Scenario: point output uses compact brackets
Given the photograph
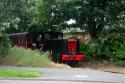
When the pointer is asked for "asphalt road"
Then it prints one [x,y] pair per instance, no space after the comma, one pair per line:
[22,81]
[70,75]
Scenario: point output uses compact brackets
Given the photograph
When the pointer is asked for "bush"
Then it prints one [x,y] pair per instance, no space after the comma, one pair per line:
[119,53]
[86,50]
[4,46]
[26,57]
[111,47]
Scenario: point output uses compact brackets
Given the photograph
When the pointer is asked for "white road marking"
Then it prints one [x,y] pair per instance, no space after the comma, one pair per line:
[80,76]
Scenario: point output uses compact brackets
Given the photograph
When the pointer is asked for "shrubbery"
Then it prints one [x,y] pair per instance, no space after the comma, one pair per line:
[111,47]
[86,50]
[26,57]
[4,46]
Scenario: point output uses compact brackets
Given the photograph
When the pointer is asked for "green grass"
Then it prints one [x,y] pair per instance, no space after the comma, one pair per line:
[12,73]
[26,57]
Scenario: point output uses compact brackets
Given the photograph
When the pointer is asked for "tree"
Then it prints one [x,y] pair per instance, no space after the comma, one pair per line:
[52,15]
[95,15]
[91,15]
[16,15]
[49,15]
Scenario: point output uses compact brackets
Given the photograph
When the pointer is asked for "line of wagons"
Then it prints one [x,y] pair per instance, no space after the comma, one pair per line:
[62,50]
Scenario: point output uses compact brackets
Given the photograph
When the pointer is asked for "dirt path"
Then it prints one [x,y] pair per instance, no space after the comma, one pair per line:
[106,68]
[113,69]
[57,65]
[94,66]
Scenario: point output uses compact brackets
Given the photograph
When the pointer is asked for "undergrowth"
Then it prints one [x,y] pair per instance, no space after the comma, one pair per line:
[26,57]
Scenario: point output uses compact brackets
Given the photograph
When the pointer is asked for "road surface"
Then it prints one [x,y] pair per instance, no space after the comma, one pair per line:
[69,75]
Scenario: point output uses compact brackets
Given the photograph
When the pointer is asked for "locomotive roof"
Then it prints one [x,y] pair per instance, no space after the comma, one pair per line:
[25,33]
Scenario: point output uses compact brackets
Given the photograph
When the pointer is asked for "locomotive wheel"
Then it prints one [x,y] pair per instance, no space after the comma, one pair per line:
[56,59]
[72,63]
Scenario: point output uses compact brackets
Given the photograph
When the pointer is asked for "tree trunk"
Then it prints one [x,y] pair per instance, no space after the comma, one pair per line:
[93,29]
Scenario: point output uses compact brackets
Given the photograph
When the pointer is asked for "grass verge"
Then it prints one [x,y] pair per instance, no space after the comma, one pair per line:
[12,73]
[26,57]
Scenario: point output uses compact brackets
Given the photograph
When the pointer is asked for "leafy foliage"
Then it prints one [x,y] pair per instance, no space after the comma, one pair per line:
[4,46]
[90,15]
[52,15]
[111,47]
[119,53]
[16,15]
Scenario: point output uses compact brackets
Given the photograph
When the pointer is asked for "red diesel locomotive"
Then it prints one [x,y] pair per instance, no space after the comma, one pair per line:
[61,49]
